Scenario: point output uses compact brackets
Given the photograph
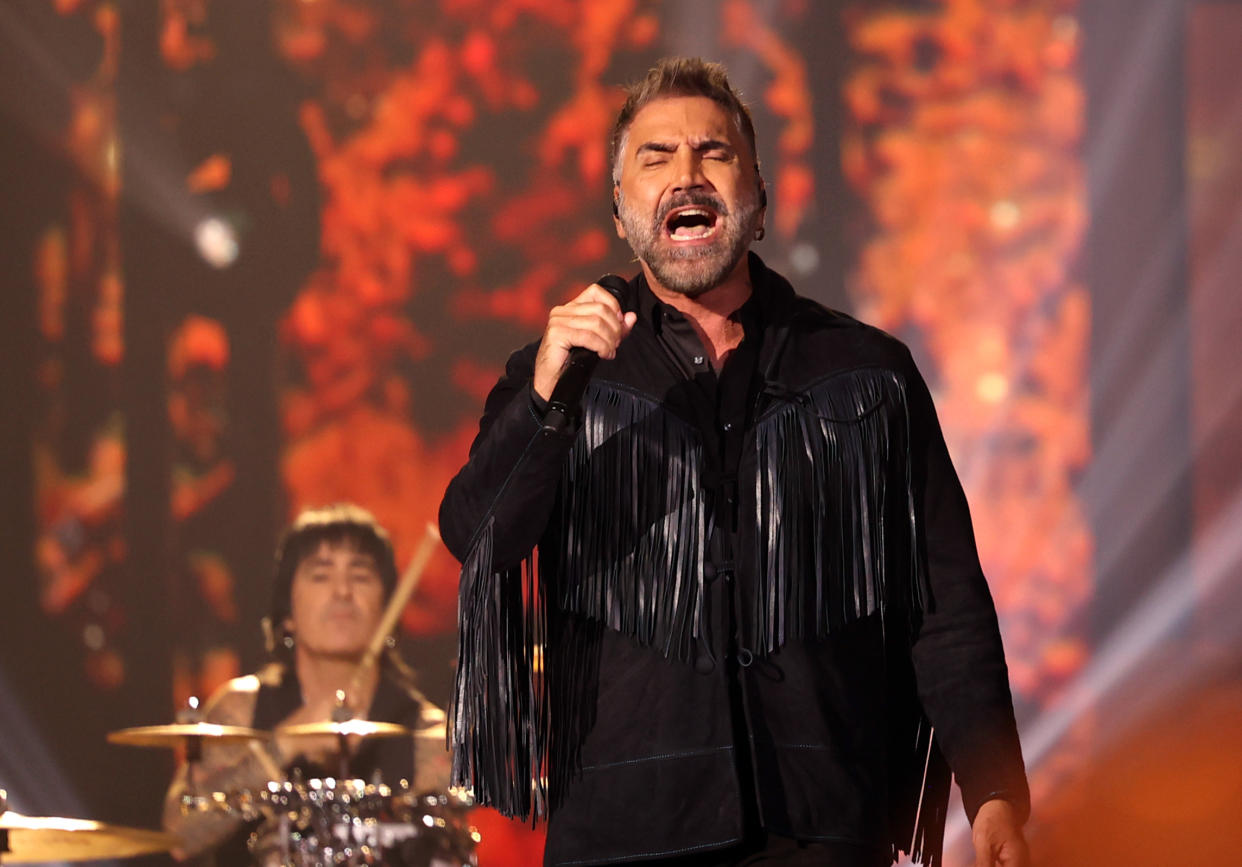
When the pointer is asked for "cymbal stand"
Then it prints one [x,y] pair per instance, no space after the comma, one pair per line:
[341,713]
[193,744]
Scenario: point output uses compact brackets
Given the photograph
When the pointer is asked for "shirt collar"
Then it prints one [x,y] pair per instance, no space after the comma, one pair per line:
[752,313]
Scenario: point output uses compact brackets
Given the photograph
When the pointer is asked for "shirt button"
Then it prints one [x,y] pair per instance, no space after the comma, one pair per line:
[745,658]
[703,664]
[698,359]
[728,425]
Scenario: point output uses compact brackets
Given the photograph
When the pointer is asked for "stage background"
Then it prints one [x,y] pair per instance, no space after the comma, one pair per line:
[263,255]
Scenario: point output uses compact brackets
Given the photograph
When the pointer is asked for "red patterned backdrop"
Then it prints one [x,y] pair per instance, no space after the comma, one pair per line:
[456,188]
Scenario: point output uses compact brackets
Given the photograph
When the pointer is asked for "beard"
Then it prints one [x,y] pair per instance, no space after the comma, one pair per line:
[694,269]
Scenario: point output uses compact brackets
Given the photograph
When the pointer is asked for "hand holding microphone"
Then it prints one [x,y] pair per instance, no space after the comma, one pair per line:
[579,334]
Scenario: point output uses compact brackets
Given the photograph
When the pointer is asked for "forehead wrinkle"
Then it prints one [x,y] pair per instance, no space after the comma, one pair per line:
[697,143]
[732,128]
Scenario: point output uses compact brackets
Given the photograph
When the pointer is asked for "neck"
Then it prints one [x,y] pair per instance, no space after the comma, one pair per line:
[709,312]
[321,676]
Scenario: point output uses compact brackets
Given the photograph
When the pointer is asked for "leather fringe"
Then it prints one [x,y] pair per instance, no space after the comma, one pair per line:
[498,716]
[837,530]
[635,522]
[632,512]
[925,827]
[836,538]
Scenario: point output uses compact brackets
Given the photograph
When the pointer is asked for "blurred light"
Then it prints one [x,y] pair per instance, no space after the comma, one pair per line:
[804,259]
[93,636]
[216,240]
[36,783]
[1121,683]
[1005,215]
[1065,27]
[992,387]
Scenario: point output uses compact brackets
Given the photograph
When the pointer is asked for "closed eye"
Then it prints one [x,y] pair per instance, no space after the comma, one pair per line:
[714,149]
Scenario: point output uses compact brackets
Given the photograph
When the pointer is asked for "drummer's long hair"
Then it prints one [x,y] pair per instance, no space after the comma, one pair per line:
[336,524]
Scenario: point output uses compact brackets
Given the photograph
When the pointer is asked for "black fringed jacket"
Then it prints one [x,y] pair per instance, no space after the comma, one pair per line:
[598,611]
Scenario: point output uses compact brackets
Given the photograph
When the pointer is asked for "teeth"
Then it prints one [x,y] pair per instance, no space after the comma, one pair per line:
[688,232]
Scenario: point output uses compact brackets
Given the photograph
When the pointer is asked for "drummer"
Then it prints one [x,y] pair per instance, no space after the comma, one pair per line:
[334,573]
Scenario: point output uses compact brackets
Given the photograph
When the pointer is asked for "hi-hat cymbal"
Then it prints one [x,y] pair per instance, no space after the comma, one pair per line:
[175,734]
[354,727]
[35,838]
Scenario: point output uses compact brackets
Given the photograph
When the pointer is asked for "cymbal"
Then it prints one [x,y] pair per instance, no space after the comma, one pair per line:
[33,838]
[175,734]
[353,727]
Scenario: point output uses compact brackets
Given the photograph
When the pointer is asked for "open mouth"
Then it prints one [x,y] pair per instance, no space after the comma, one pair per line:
[693,223]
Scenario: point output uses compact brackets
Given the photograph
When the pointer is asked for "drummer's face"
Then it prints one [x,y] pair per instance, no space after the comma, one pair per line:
[336,602]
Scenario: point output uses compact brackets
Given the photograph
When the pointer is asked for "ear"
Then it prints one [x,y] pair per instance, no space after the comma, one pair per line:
[616,211]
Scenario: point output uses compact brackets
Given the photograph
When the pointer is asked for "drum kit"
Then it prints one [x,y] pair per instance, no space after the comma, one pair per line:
[298,822]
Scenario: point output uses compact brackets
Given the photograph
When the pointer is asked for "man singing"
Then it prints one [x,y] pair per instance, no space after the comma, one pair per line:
[334,573]
[709,612]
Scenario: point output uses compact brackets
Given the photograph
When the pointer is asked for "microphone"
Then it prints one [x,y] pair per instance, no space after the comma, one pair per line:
[568,391]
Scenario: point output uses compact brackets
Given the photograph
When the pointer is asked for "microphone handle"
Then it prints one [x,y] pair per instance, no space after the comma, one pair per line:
[568,391]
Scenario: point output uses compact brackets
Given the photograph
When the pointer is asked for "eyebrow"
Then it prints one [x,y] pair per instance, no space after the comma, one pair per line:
[671,147]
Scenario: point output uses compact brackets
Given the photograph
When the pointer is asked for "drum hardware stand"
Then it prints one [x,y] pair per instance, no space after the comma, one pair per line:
[4,832]
[193,743]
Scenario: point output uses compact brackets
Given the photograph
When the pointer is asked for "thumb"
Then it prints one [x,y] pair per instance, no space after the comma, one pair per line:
[627,323]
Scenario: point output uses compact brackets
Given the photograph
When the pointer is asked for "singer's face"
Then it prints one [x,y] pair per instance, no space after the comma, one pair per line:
[688,193]
[336,602]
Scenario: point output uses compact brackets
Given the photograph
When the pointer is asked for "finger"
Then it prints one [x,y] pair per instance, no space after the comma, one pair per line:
[605,346]
[587,310]
[611,316]
[560,329]
[599,294]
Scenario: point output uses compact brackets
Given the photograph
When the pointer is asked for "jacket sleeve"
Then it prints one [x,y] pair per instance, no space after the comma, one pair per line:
[493,514]
[509,482]
[959,661]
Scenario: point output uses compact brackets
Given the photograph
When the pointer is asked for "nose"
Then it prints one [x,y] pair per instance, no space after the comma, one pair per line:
[342,587]
[688,170]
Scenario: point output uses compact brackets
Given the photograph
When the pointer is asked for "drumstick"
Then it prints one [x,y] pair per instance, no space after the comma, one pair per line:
[409,580]
[273,771]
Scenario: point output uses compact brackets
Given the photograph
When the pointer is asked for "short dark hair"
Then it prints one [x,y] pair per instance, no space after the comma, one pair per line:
[337,524]
[680,76]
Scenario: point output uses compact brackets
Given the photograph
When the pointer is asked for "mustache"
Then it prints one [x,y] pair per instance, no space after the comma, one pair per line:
[694,197]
